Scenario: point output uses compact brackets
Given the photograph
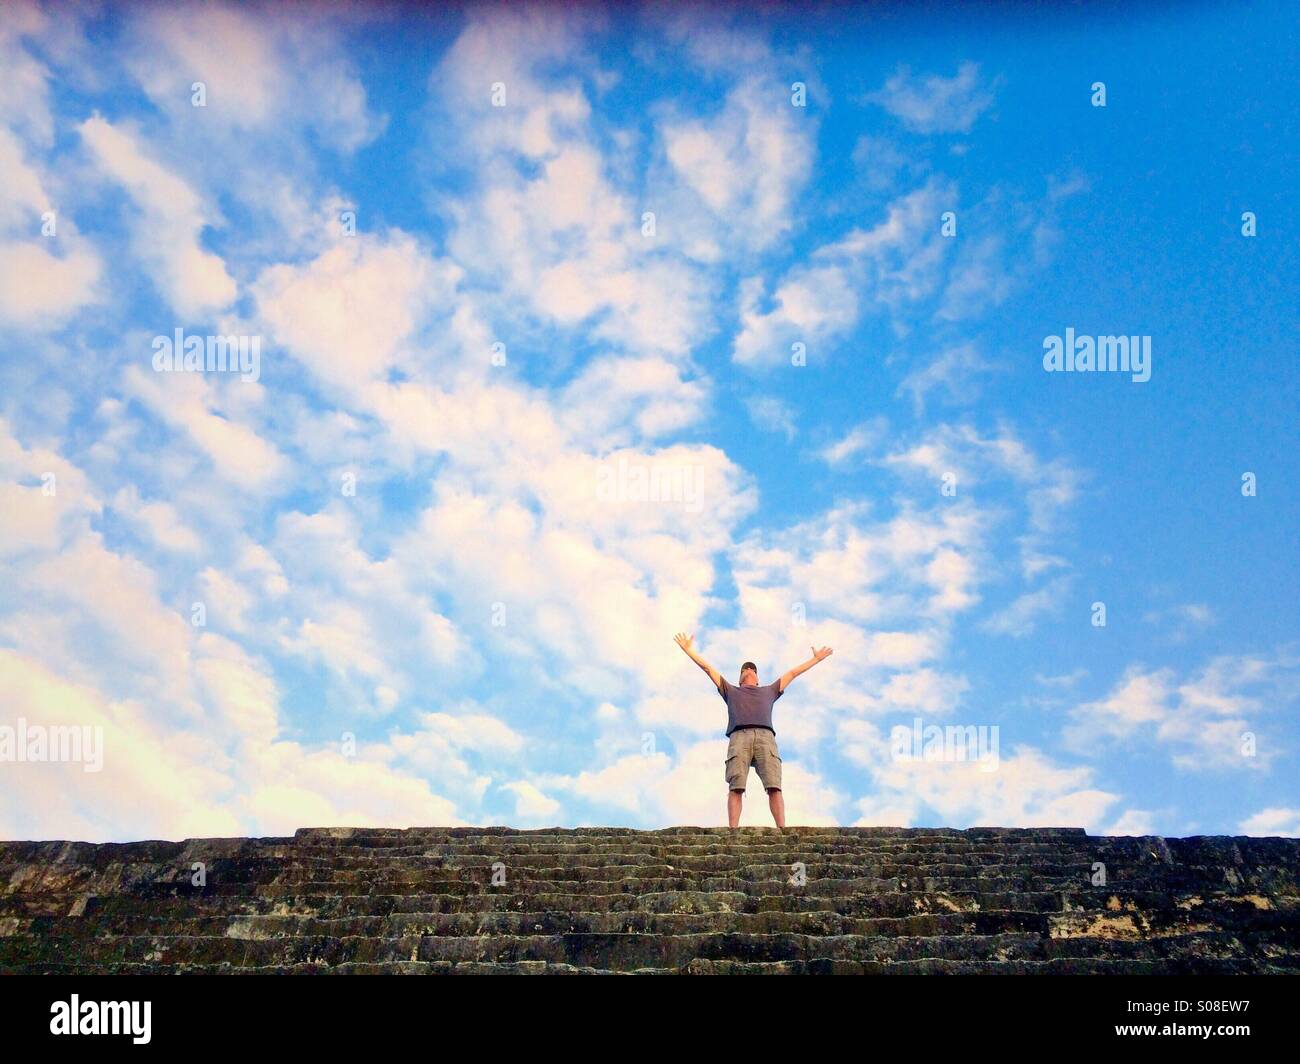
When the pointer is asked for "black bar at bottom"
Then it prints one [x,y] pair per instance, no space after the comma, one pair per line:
[581,1014]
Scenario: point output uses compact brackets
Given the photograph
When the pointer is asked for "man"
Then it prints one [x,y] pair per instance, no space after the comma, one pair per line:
[749,728]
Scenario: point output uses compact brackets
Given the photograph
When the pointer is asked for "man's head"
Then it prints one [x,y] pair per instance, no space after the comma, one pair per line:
[749,675]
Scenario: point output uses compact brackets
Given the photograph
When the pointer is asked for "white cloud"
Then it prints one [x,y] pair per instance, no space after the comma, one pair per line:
[772,415]
[859,439]
[39,290]
[547,222]
[192,406]
[981,278]
[1139,698]
[159,519]
[23,198]
[37,519]
[1068,679]
[923,691]
[810,305]
[1179,622]
[953,372]
[530,803]
[192,279]
[897,262]
[145,780]
[619,400]
[1046,488]
[1132,822]
[226,601]
[260,70]
[881,162]
[1019,617]
[746,164]
[935,104]
[474,731]
[368,621]
[1275,820]
[24,90]
[1202,722]
[350,314]
[191,722]
[1027,789]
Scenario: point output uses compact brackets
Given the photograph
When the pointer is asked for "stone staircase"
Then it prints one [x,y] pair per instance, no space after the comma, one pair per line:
[680,900]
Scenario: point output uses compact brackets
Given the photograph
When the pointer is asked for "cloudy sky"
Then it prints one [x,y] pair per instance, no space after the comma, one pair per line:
[576,330]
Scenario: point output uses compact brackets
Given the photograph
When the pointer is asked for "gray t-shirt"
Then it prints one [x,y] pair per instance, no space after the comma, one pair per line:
[749,707]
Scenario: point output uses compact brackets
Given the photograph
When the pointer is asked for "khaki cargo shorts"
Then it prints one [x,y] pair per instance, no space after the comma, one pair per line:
[757,747]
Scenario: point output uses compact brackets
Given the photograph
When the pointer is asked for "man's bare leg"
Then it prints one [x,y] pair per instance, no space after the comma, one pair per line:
[776,802]
[734,798]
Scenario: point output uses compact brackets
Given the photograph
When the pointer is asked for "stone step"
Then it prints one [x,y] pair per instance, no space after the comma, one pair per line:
[44,876]
[401,873]
[677,842]
[783,854]
[19,862]
[661,854]
[126,863]
[1216,849]
[893,903]
[1055,966]
[675,901]
[521,891]
[624,952]
[854,896]
[65,852]
[716,833]
[1237,915]
[819,922]
[403,878]
[845,897]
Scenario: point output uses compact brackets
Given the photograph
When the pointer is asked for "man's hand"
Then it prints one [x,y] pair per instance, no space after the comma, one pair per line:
[686,643]
[799,670]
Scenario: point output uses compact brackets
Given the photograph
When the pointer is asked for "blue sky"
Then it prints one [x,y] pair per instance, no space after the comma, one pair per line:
[394,536]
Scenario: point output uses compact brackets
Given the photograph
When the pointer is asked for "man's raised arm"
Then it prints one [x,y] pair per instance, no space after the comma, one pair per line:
[684,641]
[817,655]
